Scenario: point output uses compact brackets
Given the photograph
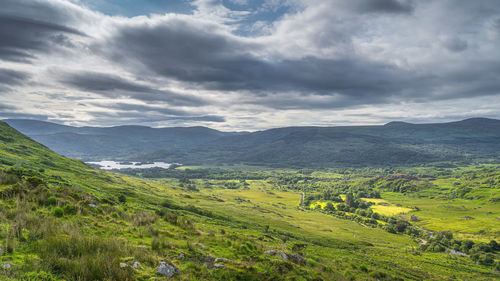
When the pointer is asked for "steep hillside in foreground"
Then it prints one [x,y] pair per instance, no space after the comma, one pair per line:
[60,219]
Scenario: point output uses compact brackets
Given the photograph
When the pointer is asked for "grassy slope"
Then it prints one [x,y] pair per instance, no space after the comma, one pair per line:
[228,226]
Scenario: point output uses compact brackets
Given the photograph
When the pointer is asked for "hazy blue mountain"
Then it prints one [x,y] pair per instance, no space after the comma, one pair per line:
[111,142]
[397,143]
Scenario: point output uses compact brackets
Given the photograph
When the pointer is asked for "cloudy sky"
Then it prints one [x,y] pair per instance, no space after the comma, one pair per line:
[249,64]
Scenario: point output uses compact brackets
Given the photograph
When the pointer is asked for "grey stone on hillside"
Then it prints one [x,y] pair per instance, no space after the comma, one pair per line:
[218,265]
[6,265]
[456,253]
[94,206]
[282,255]
[222,260]
[296,258]
[167,269]
[270,252]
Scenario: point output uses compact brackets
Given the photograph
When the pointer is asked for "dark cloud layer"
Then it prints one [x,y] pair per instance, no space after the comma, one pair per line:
[217,63]
[22,38]
[114,86]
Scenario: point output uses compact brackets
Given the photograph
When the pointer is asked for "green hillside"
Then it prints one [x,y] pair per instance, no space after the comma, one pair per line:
[63,220]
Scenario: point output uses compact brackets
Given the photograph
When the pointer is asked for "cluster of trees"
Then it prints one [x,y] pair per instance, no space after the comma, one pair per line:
[480,252]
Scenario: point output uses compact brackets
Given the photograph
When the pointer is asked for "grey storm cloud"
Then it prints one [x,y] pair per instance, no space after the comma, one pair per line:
[142,111]
[22,38]
[382,6]
[455,44]
[114,86]
[12,77]
[215,62]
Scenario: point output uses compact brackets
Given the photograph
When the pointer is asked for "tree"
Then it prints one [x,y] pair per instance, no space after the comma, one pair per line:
[349,200]
[329,207]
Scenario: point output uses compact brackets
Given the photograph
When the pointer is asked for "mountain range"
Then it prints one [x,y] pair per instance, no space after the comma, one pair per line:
[395,143]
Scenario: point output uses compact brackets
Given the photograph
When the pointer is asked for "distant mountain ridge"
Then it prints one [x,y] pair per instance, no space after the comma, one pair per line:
[95,143]
[395,143]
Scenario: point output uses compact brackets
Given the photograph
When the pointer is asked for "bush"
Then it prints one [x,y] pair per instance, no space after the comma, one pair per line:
[58,212]
[122,198]
[51,201]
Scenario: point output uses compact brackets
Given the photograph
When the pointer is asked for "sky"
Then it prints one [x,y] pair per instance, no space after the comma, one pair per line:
[249,65]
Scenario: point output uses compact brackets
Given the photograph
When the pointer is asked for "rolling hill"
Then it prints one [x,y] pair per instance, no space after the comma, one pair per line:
[396,143]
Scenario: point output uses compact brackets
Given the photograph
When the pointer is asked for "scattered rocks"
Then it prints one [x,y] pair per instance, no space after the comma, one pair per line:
[94,206]
[6,265]
[167,269]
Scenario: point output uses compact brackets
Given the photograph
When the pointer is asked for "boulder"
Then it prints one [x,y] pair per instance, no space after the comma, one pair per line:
[167,269]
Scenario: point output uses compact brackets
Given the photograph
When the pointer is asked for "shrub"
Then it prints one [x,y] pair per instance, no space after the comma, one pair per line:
[58,212]
[122,198]
[51,201]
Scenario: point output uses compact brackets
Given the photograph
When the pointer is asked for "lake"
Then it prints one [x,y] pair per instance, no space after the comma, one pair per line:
[110,165]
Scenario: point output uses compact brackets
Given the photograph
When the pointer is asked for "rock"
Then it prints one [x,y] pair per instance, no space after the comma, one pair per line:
[270,252]
[136,265]
[296,258]
[122,265]
[414,218]
[209,259]
[6,265]
[167,269]
[201,245]
[282,255]
[456,253]
[181,256]
[94,206]
[218,265]
[142,246]
[222,260]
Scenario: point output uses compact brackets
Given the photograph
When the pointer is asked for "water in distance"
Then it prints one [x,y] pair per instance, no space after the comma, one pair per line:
[110,165]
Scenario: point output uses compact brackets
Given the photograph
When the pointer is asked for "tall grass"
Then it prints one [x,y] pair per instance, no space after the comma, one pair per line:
[85,258]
